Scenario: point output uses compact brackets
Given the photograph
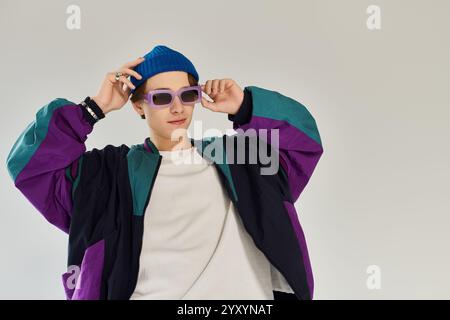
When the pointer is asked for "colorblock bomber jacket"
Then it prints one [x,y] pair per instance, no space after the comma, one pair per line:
[98,197]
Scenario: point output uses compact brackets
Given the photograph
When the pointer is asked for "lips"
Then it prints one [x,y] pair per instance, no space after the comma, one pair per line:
[177,122]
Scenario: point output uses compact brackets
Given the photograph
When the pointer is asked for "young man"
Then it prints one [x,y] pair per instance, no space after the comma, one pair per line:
[174,217]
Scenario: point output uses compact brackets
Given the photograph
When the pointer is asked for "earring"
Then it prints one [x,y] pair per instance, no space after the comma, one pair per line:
[142,116]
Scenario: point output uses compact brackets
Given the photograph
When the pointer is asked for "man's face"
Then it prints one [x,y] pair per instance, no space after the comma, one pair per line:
[158,119]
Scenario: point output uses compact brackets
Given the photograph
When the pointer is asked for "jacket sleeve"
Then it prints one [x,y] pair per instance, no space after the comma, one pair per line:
[45,158]
[299,144]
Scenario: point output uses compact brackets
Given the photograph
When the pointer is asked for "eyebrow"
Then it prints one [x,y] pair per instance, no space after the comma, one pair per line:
[170,89]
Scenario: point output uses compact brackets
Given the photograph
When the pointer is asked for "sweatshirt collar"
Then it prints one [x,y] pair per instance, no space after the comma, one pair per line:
[151,147]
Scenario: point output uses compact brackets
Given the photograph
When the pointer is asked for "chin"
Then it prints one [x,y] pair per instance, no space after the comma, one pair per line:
[179,130]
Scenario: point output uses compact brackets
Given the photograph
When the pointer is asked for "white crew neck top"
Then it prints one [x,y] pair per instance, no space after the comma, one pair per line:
[194,243]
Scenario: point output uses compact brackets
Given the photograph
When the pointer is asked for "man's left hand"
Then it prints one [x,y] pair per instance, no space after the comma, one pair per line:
[226,94]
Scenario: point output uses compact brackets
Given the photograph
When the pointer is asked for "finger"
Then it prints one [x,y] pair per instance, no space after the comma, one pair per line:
[228,83]
[131,73]
[208,87]
[126,91]
[112,77]
[134,62]
[215,86]
[128,82]
[208,104]
[123,89]
[124,85]
[222,85]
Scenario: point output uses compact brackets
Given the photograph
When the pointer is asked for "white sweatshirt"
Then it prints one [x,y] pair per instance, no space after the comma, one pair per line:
[194,243]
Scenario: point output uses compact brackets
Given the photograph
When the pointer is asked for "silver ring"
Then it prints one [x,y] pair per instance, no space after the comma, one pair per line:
[118,74]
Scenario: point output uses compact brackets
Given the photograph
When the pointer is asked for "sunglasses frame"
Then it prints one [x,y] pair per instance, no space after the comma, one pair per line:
[148,97]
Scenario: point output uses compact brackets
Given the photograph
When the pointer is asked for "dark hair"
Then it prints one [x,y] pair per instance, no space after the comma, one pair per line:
[139,92]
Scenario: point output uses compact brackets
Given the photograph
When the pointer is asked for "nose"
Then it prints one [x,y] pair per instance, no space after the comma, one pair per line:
[177,105]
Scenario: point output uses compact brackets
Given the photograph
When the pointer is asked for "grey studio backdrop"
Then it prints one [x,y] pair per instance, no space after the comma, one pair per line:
[377,204]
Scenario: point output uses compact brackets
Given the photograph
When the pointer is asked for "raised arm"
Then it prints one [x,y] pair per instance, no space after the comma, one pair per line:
[300,146]
[46,159]
[43,161]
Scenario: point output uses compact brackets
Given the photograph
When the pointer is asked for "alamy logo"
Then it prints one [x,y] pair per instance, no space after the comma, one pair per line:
[374,20]
[249,146]
[374,280]
[72,280]
[73,21]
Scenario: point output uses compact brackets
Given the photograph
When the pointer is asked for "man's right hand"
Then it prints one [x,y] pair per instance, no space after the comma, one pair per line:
[114,94]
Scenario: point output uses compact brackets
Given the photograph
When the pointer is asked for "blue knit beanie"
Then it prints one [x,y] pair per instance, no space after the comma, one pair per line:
[162,59]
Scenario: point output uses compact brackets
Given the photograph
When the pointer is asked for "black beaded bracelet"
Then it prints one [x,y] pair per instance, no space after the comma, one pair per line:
[93,108]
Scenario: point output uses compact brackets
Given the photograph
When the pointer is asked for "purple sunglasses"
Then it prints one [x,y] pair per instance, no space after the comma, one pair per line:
[162,98]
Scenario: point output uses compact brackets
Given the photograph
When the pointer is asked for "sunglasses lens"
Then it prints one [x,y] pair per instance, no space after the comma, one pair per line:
[163,98]
[189,96]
